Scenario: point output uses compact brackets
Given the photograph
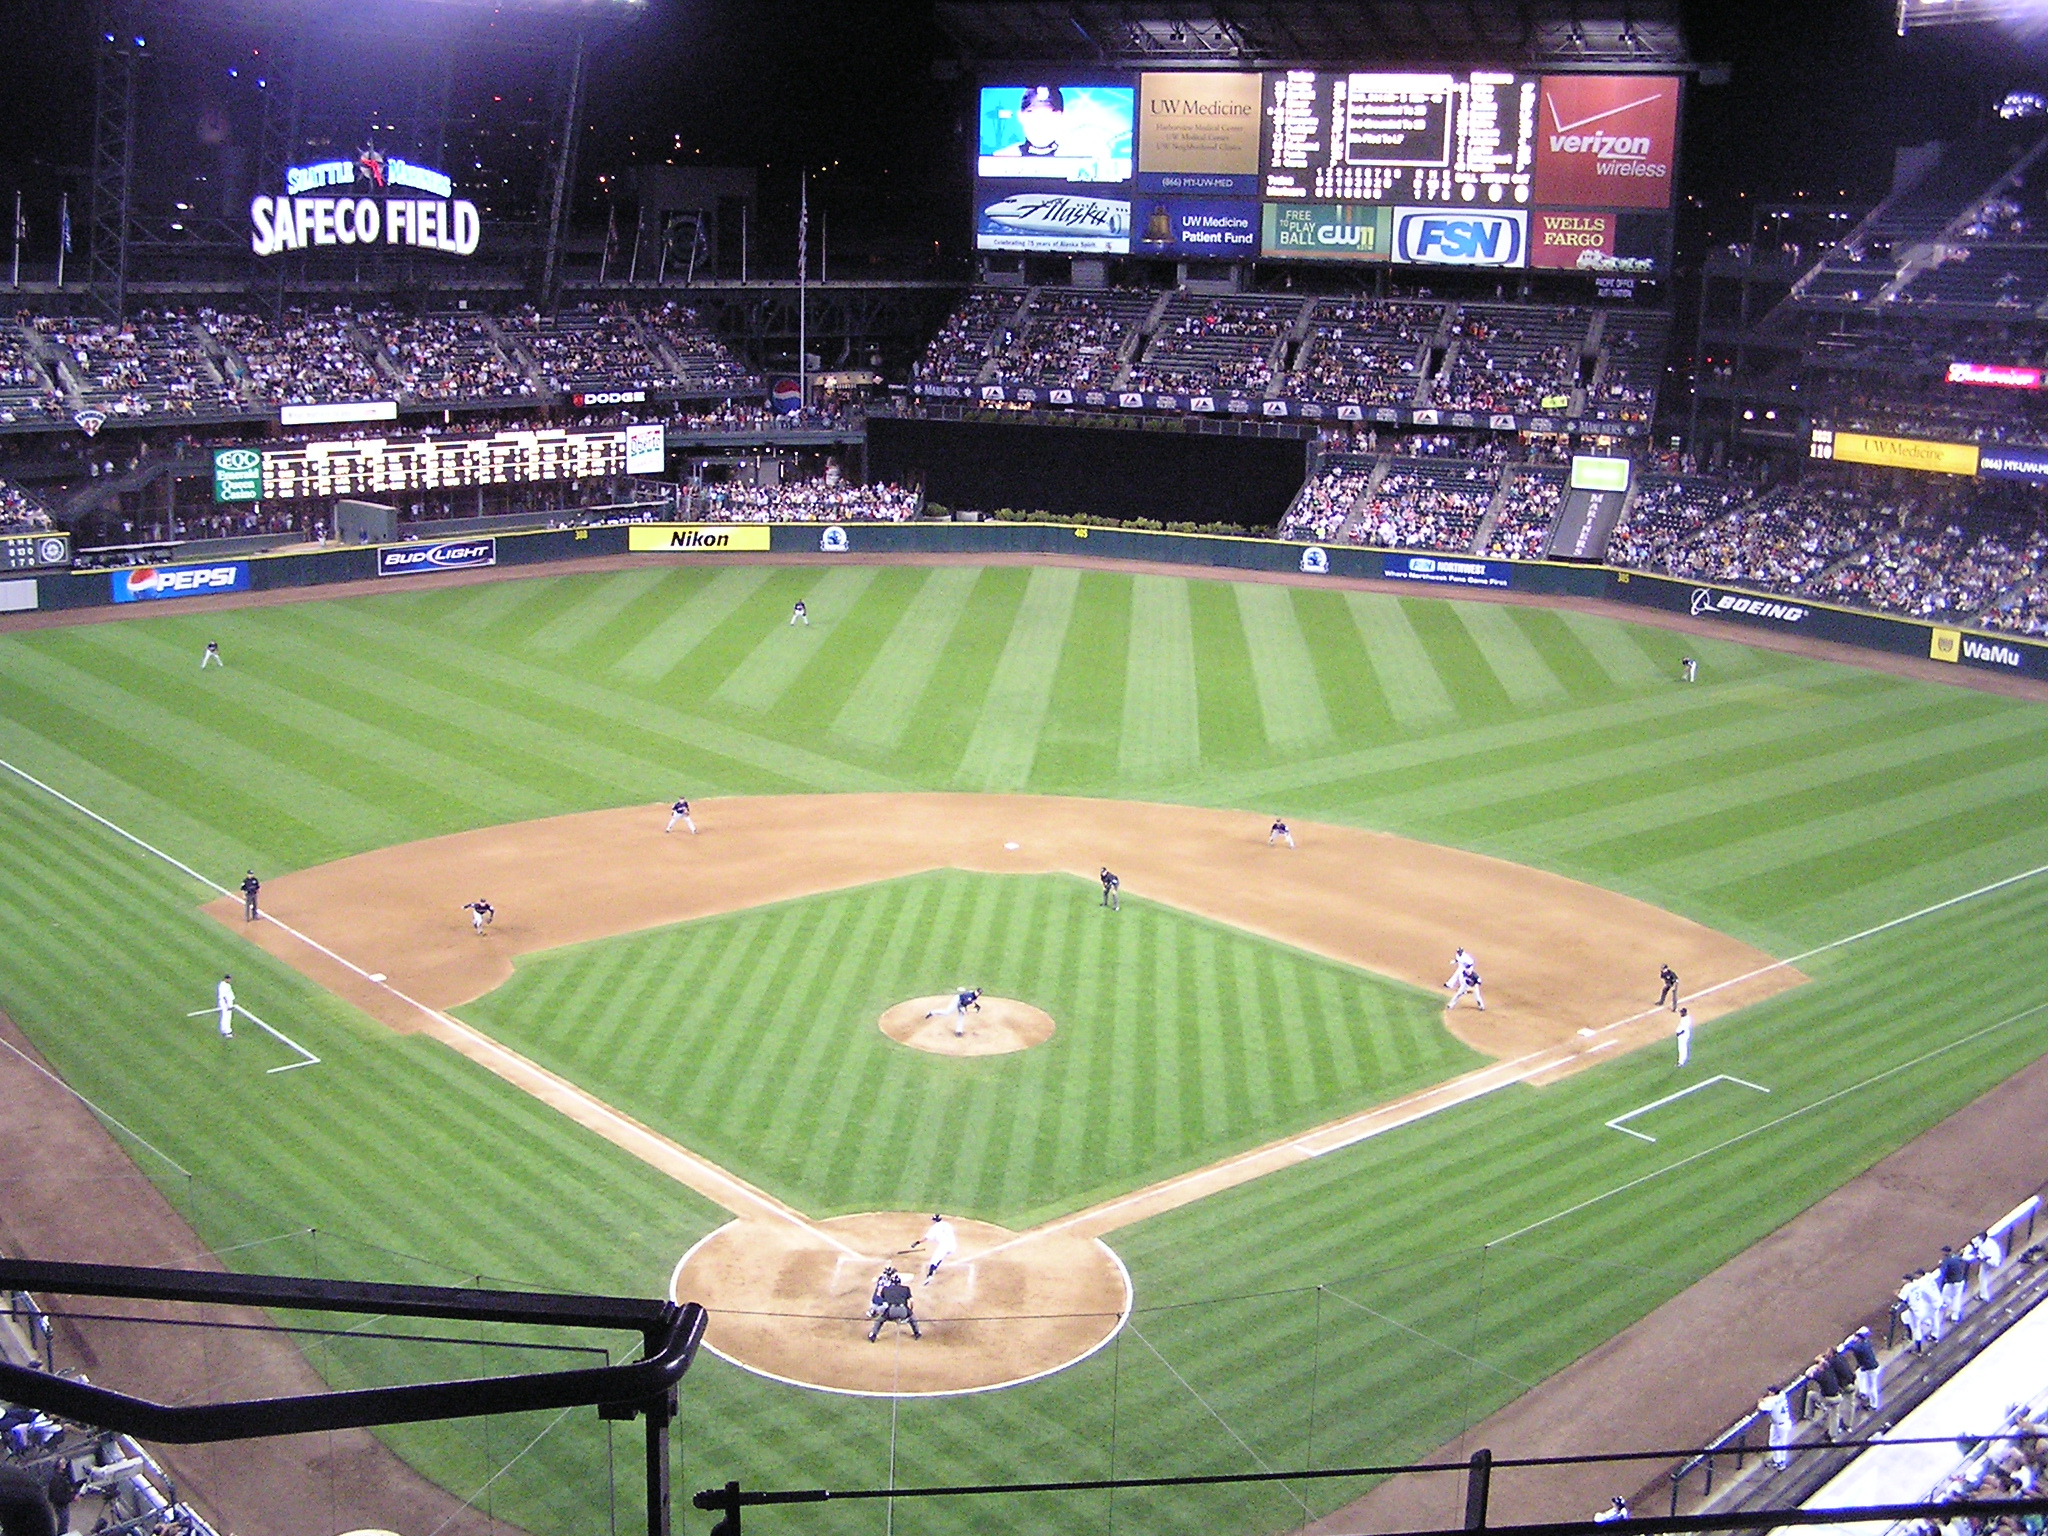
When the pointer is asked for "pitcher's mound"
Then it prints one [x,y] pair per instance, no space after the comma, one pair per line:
[790,1302]
[1000,1026]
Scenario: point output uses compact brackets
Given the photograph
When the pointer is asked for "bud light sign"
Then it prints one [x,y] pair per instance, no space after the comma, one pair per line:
[147,583]
[416,559]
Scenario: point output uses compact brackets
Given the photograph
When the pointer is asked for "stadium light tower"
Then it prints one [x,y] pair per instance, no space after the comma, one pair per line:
[2029,16]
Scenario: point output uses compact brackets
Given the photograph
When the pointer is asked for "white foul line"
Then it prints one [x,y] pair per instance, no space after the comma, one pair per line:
[500,1061]
[1618,1123]
[308,1058]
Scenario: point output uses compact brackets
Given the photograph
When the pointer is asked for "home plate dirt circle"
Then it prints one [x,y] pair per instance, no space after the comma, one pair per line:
[1000,1026]
[789,1301]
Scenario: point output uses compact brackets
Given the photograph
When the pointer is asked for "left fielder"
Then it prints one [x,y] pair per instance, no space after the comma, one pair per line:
[963,999]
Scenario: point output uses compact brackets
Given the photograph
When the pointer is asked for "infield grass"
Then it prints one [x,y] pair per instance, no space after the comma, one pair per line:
[1787,801]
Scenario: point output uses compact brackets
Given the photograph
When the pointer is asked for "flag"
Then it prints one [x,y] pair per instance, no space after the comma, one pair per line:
[64,222]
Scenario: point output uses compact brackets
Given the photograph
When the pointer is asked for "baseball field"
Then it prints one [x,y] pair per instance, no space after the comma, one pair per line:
[1253,1202]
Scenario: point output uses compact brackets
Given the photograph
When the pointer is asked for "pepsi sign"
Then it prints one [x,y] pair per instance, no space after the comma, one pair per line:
[1446,237]
[150,583]
[416,559]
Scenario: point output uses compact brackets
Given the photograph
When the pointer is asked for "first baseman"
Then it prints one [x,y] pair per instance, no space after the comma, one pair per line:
[224,998]
[480,914]
[939,1241]
[963,999]
[1684,1036]
[680,811]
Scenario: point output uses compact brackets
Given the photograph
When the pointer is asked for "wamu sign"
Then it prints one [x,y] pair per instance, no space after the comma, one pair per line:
[364,212]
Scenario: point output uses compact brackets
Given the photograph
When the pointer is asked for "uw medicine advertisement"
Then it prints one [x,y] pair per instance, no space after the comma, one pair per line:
[1434,167]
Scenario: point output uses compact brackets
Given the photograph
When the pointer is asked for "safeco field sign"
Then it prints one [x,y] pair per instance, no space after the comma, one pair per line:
[741,538]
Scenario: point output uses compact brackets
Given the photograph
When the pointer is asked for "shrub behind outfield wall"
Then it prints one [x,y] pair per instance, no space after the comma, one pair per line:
[1429,574]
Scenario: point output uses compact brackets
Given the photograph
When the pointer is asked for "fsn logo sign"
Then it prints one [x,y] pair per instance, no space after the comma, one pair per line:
[1443,237]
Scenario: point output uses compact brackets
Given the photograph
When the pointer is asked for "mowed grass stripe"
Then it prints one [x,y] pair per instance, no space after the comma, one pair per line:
[488,604]
[568,697]
[1408,680]
[758,683]
[1618,650]
[307,704]
[1004,743]
[880,707]
[1524,676]
[598,600]
[717,596]
[1290,697]
[196,743]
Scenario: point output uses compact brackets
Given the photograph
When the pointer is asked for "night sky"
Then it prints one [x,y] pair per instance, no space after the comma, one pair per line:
[1820,96]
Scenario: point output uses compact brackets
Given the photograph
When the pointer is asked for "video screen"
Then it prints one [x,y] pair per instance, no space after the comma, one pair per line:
[1056,133]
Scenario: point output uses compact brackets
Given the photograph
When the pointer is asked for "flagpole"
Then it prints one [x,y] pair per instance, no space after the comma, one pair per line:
[17,238]
[803,268]
[63,234]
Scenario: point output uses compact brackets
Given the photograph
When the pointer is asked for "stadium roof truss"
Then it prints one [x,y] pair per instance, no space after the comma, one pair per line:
[1555,34]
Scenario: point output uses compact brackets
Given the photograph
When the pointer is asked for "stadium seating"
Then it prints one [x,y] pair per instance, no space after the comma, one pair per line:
[968,339]
[27,393]
[1424,504]
[1071,338]
[307,358]
[587,349]
[1513,359]
[1208,345]
[1632,364]
[1371,351]
[153,364]
[1521,529]
[820,500]
[1324,504]
[448,357]
[699,362]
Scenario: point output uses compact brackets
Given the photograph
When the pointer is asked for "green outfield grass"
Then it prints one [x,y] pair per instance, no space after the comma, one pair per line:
[1788,801]
[752,1038]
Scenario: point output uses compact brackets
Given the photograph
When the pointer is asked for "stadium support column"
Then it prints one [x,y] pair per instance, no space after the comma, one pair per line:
[563,194]
[113,160]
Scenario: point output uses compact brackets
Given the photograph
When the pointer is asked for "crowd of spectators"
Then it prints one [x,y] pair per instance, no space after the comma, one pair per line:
[587,347]
[448,357]
[1626,387]
[1439,507]
[1208,345]
[1071,338]
[968,339]
[310,357]
[21,512]
[702,361]
[1371,351]
[1669,510]
[822,499]
[1512,360]
[26,392]
[1527,514]
[1324,504]
[1932,566]
[152,363]
[1782,540]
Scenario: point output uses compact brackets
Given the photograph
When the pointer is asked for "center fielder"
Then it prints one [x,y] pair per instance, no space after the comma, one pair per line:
[963,999]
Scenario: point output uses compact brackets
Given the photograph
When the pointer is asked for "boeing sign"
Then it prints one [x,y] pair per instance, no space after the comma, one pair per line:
[1461,238]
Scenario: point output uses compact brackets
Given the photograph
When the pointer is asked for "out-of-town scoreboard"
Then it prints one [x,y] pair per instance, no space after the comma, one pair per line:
[372,465]
[34,551]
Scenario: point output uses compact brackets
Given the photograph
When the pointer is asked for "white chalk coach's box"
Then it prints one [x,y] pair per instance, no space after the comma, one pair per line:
[451,555]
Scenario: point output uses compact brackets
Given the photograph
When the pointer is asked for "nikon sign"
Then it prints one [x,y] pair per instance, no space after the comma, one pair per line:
[237,474]
[354,202]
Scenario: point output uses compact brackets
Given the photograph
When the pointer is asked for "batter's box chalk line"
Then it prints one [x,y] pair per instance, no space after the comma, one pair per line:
[306,1057]
[1620,1122]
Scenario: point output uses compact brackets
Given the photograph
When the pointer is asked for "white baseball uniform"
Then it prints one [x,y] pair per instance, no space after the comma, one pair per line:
[1779,1407]
[224,997]
[940,1241]
[1989,1256]
[1684,1036]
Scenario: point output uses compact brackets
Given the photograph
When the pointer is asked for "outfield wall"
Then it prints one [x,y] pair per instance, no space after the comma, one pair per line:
[1429,574]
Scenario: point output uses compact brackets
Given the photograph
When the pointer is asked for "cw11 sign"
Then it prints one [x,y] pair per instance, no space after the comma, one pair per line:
[361,212]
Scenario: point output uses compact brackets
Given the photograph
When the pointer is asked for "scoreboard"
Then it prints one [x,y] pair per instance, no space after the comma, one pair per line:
[365,466]
[1451,167]
[34,551]
[1400,138]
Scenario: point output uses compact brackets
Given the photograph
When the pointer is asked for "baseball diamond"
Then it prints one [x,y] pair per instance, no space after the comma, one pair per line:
[1249,1197]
